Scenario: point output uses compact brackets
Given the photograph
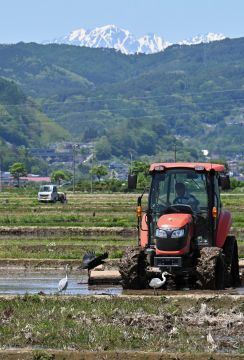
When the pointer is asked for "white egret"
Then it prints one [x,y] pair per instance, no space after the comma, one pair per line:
[156,283]
[63,283]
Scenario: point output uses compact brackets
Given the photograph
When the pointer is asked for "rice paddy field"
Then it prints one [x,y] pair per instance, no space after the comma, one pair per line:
[65,231]
[105,327]
[29,229]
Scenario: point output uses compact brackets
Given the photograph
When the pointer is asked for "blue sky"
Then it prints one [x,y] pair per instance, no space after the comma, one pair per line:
[38,20]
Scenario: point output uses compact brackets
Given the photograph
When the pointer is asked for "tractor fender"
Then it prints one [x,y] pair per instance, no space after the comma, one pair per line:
[224,225]
[144,231]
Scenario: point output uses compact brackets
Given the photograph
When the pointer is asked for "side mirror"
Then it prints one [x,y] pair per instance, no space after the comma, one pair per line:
[132,181]
[224,182]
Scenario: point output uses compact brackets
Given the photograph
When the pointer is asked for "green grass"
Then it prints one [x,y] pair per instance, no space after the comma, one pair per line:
[62,247]
[109,210]
[84,210]
[145,324]
[66,220]
[58,252]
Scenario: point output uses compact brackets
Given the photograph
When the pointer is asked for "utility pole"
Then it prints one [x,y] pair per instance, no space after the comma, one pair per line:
[91,174]
[130,163]
[74,147]
[175,150]
[0,173]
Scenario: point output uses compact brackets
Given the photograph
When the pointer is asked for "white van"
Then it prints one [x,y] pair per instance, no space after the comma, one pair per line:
[48,193]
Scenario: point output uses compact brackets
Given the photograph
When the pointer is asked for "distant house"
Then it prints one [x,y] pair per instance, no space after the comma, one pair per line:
[36,179]
[8,180]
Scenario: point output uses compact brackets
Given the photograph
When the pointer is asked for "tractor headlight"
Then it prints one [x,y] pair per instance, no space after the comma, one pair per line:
[161,233]
[178,233]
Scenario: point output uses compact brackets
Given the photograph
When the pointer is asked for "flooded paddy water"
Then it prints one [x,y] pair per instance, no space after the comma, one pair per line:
[19,281]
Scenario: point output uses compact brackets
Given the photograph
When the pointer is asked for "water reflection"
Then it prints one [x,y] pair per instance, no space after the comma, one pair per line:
[19,282]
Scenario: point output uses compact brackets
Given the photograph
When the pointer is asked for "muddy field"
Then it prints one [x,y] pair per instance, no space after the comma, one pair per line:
[204,324]
[26,354]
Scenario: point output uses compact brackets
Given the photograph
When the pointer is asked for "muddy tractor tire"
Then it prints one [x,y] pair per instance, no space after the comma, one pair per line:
[232,261]
[132,269]
[63,199]
[211,269]
[235,271]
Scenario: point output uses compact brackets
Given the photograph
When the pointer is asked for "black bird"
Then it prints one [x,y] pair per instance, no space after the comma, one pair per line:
[91,260]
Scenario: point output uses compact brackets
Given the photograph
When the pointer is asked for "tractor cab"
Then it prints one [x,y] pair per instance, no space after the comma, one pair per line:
[175,193]
[184,200]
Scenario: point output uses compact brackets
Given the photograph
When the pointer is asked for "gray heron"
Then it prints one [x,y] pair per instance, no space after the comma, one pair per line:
[91,260]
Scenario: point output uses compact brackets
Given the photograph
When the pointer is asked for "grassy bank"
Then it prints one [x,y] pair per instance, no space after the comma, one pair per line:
[66,247]
[184,325]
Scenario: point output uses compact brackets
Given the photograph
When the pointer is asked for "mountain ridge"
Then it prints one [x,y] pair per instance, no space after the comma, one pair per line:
[113,37]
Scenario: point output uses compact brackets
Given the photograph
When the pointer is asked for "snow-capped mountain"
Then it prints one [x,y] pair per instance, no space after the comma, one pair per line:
[111,36]
[202,39]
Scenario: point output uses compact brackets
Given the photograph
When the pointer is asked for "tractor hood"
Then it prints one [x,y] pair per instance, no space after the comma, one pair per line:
[173,234]
[174,221]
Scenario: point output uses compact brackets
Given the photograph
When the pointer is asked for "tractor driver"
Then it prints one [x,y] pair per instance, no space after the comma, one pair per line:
[183,197]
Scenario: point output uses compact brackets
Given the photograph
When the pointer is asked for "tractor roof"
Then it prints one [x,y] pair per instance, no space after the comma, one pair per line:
[186,165]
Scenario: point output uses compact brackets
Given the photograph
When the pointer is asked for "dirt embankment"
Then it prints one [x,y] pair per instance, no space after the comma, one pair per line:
[26,354]
[57,230]
[48,263]
[77,230]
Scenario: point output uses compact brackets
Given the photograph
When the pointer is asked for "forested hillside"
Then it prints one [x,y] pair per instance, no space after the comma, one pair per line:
[22,123]
[140,103]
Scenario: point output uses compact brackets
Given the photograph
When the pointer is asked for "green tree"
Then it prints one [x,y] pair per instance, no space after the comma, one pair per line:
[234,183]
[59,175]
[142,170]
[140,167]
[17,170]
[99,171]
[103,148]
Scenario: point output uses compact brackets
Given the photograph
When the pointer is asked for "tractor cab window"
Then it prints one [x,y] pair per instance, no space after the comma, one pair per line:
[179,187]
[217,202]
[180,190]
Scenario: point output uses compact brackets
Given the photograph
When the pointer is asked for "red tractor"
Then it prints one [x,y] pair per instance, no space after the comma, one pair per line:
[184,232]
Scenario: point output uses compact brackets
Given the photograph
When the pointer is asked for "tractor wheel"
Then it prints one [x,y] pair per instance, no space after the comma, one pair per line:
[234,270]
[232,261]
[211,269]
[62,199]
[132,269]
